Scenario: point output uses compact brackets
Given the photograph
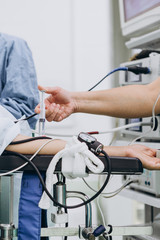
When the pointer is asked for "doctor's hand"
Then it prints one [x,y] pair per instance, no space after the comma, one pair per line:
[145,154]
[59,104]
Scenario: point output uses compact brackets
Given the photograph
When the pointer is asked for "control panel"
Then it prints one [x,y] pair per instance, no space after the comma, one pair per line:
[147,182]
[152,62]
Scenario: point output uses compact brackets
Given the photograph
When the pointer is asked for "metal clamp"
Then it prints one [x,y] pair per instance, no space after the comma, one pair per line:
[7,231]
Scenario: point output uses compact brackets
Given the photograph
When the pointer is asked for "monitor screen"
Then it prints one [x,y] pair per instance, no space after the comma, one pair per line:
[133,8]
[135,128]
[139,17]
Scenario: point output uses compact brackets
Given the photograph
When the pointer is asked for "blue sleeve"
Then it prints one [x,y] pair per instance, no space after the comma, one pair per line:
[18,85]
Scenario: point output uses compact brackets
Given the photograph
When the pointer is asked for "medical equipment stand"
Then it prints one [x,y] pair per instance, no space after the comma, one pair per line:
[84,232]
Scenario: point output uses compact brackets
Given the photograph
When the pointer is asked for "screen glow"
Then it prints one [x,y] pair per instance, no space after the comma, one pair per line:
[133,8]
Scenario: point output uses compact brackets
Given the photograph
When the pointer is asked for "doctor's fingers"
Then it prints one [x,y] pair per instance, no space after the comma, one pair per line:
[50,90]
[37,108]
[54,112]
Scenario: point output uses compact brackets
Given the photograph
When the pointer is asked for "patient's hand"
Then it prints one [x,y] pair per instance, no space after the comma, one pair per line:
[145,154]
[59,104]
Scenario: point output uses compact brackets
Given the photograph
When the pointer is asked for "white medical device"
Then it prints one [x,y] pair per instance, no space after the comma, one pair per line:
[149,181]
[138,17]
[128,78]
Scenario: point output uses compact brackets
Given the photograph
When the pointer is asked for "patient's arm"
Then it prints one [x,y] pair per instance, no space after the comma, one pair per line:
[145,154]
[31,147]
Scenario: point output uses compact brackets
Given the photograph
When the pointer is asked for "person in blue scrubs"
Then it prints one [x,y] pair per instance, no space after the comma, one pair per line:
[19,95]
[18,82]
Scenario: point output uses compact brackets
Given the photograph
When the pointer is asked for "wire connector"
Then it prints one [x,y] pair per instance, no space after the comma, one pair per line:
[139,70]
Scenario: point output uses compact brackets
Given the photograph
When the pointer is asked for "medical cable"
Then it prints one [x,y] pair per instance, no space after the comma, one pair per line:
[153,123]
[105,195]
[48,193]
[29,140]
[117,129]
[23,119]
[33,156]
[112,194]
[66,224]
[120,189]
[108,195]
[134,69]
[100,210]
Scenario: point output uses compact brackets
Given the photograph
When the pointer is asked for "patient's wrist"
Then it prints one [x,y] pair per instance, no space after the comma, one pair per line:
[121,151]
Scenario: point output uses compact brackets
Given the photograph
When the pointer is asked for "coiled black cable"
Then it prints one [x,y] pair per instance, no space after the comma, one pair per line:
[48,193]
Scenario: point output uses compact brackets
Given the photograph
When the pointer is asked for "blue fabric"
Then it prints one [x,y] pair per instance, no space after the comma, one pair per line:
[19,95]
[18,81]
[29,213]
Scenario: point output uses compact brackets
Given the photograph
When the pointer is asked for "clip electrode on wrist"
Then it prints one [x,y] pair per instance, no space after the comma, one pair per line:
[92,143]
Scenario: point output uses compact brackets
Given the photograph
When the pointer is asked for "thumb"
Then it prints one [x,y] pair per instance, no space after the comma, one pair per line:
[50,90]
[41,88]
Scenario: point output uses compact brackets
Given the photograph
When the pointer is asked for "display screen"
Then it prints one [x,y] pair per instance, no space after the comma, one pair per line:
[134,120]
[133,8]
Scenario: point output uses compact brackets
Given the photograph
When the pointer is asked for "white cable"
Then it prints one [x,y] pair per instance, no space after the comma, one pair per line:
[18,168]
[117,129]
[105,195]
[99,132]
[153,124]
[101,212]
[118,191]
[111,194]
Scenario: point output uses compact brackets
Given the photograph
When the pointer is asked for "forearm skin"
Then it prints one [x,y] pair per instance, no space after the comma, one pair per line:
[31,147]
[124,102]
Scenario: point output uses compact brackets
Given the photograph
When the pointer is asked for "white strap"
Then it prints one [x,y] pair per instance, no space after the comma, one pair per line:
[75,158]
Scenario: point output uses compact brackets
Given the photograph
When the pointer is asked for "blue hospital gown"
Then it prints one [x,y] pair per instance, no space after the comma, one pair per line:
[18,81]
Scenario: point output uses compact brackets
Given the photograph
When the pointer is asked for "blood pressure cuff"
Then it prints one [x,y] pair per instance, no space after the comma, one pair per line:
[31,217]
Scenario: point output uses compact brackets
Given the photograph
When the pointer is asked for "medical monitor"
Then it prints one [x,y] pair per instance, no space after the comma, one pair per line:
[139,16]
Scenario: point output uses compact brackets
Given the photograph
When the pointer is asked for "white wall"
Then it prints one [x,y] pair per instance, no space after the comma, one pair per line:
[70,42]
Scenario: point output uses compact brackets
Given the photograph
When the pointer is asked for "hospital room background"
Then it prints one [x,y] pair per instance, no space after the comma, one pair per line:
[74,44]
